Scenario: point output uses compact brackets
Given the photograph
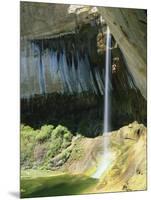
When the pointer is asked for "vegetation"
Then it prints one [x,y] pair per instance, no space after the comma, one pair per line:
[45,133]
[27,145]
[38,147]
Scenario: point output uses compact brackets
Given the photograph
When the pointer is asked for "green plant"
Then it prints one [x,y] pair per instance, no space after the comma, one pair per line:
[39,146]
[55,147]
[60,131]
[45,133]
[61,138]
[27,132]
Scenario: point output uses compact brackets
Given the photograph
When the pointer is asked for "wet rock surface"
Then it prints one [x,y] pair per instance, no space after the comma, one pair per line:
[128,27]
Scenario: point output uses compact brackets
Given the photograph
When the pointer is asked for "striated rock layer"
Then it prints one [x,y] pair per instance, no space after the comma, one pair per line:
[63,53]
[128,27]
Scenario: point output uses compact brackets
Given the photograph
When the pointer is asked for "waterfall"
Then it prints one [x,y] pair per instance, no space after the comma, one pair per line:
[107,90]
[106,158]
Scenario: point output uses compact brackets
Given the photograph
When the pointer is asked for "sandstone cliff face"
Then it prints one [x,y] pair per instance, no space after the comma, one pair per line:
[128,26]
[63,52]
[39,20]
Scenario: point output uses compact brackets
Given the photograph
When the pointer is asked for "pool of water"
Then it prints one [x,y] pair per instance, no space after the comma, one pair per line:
[56,185]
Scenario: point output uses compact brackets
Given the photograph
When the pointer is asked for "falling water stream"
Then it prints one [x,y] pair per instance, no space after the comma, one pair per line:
[106,125]
[106,157]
